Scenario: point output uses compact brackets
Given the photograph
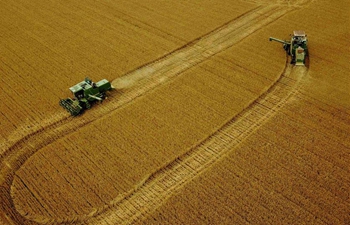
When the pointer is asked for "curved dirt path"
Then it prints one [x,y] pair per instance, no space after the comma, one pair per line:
[137,83]
[167,180]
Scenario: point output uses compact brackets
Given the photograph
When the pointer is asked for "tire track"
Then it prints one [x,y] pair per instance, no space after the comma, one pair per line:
[136,84]
[167,180]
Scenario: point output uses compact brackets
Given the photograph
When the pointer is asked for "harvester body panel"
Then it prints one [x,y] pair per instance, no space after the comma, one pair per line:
[104,85]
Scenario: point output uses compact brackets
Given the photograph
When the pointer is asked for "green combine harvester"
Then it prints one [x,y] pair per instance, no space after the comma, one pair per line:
[85,94]
[296,48]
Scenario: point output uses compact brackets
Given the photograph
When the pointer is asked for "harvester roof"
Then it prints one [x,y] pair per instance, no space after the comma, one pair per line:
[80,86]
[299,33]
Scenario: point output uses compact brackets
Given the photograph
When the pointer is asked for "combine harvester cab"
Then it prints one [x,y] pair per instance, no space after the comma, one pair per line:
[296,47]
[85,93]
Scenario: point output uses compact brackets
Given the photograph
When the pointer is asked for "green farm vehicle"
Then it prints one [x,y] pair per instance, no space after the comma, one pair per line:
[296,47]
[85,94]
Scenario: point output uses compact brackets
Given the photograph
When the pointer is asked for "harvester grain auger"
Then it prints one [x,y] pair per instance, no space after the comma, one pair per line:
[296,47]
[85,94]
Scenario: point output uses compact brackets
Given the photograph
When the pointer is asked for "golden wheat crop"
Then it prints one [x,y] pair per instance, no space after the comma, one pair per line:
[209,123]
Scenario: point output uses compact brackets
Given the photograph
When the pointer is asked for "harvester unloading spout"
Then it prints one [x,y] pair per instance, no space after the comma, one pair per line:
[286,44]
[95,97]
[279,40]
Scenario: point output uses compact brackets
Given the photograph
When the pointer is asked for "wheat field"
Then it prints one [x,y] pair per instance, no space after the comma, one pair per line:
[209,122]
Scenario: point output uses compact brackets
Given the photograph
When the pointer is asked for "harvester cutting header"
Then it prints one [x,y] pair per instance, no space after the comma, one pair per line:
[296,48]
[85,93]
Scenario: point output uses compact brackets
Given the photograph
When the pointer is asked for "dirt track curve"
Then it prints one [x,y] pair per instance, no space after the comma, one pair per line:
[150,194]
[172,177]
